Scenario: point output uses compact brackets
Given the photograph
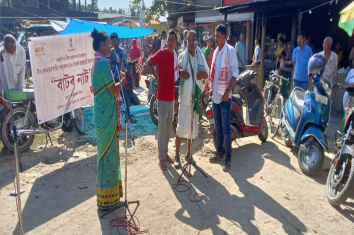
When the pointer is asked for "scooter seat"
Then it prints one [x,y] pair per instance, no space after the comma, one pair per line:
[298,98]
[237,98]
[20,95]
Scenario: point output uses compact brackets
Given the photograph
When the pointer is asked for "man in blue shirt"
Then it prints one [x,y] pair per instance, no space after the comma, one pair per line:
[301,56]
[119,63]
[349,82]
[118,53]
[241,53]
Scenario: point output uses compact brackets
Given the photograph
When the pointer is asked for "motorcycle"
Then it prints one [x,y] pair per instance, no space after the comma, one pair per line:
[151,99]
[304,120]
[340,180]
[249,100]
[151,85]
[25,120]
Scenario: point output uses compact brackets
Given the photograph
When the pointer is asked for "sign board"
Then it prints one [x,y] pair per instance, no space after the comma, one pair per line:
[180,22]
[61,71]
[234,2]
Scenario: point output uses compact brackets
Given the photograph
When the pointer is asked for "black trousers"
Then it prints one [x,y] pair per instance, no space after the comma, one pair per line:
[136,76]
[126,101]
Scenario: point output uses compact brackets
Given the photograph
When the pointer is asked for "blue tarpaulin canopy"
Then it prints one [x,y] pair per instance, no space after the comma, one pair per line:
[81,26]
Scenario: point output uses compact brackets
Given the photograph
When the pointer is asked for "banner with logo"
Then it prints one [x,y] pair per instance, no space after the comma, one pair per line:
[61,71]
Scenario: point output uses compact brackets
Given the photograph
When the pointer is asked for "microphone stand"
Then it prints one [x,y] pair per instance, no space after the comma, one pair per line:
[126,202]
[16,152]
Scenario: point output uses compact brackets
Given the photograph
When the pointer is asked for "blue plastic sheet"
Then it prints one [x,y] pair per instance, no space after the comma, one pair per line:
[81,26]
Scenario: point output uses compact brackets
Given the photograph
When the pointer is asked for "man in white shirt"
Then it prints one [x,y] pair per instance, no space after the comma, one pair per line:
[163,40]
[223,75]
[331,60]
[14,63]
[184,46]
[202,46]
[193,68]
[257,51]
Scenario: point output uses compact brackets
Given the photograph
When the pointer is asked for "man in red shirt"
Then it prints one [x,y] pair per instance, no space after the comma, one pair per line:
[166,61]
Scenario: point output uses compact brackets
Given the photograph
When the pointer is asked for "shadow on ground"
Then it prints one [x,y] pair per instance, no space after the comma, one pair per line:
[238,210]
[58,192]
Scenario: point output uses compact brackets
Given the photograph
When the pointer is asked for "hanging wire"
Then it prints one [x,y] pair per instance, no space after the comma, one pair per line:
[186,12]
[330,1]
[184,3]
[51,8]
[37,16]
[3,28]
[213,9]
[52,17]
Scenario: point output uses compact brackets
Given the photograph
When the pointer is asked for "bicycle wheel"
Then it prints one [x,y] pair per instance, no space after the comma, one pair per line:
[7,135]
[265,99]
[153,110]
[67,125]
[275,111]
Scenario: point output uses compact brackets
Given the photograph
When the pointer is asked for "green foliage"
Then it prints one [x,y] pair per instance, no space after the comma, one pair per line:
[95,5]
[71,7]
[160,8]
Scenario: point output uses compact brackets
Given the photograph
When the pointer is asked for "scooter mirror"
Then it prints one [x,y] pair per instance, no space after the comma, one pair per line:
[314,78]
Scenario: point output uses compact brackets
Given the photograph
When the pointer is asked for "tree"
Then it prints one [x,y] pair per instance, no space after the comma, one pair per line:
[121,11]
[158,8]
[71,6]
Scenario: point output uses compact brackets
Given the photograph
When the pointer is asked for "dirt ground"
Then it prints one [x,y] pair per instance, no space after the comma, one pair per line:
[265,191]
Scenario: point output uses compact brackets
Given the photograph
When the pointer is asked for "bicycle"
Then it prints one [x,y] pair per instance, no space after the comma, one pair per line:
[275,108]
[267,94]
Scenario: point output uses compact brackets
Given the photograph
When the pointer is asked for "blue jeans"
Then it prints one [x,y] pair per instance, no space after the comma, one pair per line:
[222,114]
[302,84]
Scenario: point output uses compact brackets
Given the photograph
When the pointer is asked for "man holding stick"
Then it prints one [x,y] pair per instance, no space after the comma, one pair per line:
[193,68]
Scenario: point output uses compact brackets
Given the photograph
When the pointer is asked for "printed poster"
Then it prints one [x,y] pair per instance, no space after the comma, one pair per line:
[61,71]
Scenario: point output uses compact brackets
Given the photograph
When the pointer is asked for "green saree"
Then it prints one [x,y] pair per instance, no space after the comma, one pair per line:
[108,181]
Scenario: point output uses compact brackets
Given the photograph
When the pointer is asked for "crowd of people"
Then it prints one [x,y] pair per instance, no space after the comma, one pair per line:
[220,65]
[190,64]
[191,67]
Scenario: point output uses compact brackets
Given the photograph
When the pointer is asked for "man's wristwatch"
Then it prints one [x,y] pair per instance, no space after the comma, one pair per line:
[228,91]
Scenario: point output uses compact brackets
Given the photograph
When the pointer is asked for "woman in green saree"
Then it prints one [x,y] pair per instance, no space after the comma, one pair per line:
[108,181]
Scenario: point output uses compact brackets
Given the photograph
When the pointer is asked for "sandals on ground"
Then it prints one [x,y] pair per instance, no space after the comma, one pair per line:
[162,165]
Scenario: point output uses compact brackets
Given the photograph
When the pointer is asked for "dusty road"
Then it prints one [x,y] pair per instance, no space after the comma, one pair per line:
[264,192]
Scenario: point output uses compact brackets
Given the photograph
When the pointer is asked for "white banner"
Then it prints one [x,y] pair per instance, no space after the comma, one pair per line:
[61,71]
